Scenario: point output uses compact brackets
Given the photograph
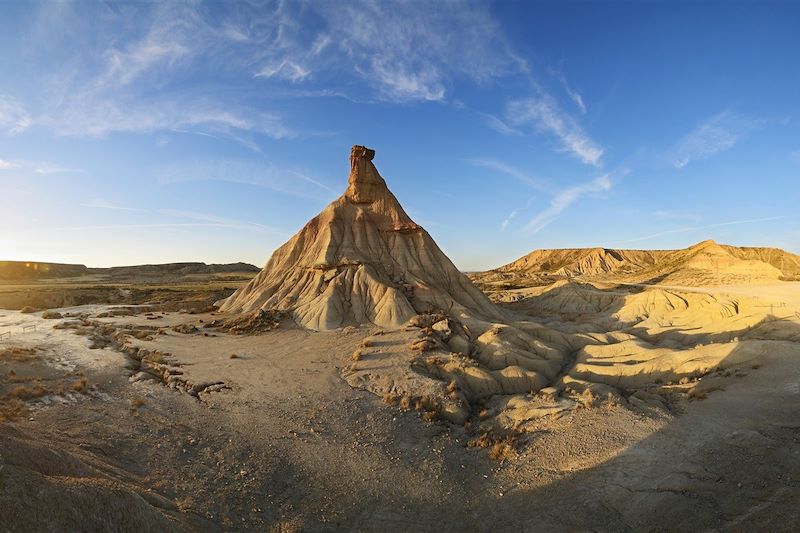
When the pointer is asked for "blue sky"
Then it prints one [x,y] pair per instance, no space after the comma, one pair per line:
[159,132]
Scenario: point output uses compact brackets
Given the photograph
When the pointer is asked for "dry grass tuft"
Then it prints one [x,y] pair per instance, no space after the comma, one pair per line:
[11,409]
[29,392]
[366,343]
[183,504]
[357,355]
[500,448]
[234,356]
[17,354]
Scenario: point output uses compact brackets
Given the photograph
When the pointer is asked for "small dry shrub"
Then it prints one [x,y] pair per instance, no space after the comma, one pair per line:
[136,402]
[366,343]
[234,356]
[587,399]
[610,401]
[405,402]
[390,398]
[81,385]
[356,356]
[430,416]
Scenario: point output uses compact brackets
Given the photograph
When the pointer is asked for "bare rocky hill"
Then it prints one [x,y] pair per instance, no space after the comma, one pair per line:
[706,263]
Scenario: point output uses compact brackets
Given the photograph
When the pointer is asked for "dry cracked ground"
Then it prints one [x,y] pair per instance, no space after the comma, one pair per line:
[670,408]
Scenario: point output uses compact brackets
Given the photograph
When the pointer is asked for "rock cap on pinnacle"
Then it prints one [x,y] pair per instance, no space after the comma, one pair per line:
[365,184]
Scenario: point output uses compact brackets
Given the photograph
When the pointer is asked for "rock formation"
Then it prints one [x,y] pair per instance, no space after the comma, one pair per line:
[361,260]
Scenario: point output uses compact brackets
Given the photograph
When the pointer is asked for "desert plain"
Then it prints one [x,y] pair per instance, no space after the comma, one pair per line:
[360,382]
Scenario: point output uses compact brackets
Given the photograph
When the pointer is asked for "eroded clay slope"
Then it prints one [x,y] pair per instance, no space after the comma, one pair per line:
[361,260]
[571,262]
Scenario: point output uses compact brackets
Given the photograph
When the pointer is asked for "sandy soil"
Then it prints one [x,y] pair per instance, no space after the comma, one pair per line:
[280,440]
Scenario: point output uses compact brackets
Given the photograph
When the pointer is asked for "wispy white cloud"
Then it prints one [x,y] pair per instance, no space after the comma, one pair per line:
[195,220]
[257,174]
[508,219]
[133,63]
[578,99]
[101,117]
[13,116]
[402,52]
[286,69]
[147,226]
[510,170]
[40,167]
[49,168]
[686,229]
[217,221]
[499,125]
[574,95]
[320,43]
[161,47]
[127,84]
[105,204]
[717,134]
[515,213]
[565,199]
[544,113]
[402,85]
